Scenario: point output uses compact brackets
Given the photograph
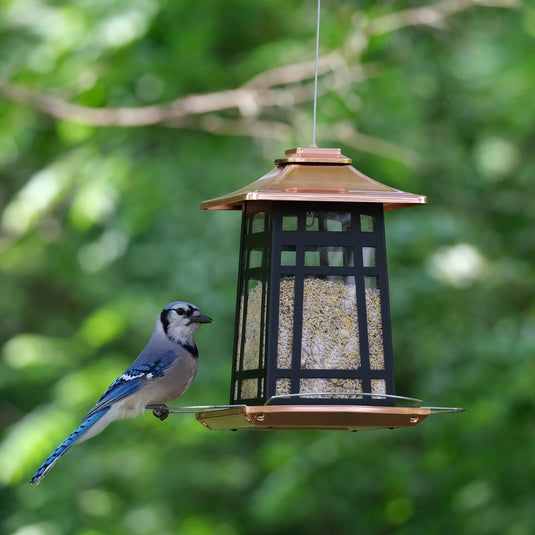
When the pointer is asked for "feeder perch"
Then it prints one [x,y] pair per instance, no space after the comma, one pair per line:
[313,344]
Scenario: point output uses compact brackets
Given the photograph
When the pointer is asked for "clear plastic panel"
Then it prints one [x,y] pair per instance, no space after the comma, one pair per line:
[317,220]
[328,256]
[378,386]
[283,386]
[374,323]
[258,222]
[347,388]
[312,221]
[286,322]
[330,337]
[254,330]
[289,222]
[249,388]
[367,223]
[369,256]
[288,255]
[255,258]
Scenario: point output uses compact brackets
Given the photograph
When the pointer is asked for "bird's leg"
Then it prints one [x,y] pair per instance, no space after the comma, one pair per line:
[161,411]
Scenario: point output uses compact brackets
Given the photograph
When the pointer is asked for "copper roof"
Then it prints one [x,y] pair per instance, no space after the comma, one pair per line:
[315,174]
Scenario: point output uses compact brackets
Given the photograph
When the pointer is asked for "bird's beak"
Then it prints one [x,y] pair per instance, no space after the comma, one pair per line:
[202,319]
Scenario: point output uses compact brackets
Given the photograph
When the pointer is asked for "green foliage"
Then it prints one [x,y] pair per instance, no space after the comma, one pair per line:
[101,226]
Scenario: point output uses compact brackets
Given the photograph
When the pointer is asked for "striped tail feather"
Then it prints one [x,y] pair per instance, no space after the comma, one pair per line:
[66,444]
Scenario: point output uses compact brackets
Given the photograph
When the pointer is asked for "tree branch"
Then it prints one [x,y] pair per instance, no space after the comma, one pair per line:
[431,15]
[249,99]
[280,87]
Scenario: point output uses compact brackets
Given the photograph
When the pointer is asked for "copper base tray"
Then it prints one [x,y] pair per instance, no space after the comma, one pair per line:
[321,417]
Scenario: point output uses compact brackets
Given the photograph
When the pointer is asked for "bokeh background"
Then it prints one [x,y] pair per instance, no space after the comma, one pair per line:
[118,118]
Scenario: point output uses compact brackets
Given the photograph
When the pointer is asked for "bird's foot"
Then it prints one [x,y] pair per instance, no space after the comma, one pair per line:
[160,411]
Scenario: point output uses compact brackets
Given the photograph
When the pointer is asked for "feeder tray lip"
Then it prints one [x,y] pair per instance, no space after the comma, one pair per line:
[315,417]
[314,174]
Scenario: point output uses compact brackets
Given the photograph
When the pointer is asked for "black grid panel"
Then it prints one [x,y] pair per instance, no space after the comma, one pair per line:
[253,276]
[322,241]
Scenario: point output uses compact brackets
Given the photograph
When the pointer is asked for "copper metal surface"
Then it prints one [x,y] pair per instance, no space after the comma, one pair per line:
[314,174]
[313,155]
[319,417]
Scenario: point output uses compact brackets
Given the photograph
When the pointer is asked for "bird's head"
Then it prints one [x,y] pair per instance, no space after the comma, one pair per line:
[180,321]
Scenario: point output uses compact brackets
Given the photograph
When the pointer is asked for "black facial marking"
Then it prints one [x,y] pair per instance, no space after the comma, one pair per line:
[184,312]
[164,317]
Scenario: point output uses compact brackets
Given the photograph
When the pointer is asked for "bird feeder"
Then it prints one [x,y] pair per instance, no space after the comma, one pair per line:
[313,344]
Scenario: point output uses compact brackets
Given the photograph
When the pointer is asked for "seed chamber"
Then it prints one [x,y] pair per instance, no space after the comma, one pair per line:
[313,300]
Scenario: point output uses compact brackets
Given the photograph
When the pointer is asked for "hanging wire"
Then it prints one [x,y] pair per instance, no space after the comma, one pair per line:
[316,76]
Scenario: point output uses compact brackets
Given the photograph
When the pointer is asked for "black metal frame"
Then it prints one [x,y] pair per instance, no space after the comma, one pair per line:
[272,240]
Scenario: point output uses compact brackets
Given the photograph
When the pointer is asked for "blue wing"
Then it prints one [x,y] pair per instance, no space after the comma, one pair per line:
[132,379]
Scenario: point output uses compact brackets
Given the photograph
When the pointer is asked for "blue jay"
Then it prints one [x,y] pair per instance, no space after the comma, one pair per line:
[162,372]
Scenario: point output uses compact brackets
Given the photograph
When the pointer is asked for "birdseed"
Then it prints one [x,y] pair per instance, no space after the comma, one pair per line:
[251,349]
[338,387]
[330,337]
[375,329]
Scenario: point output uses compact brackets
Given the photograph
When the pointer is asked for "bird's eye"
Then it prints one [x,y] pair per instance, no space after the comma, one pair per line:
[179,311]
